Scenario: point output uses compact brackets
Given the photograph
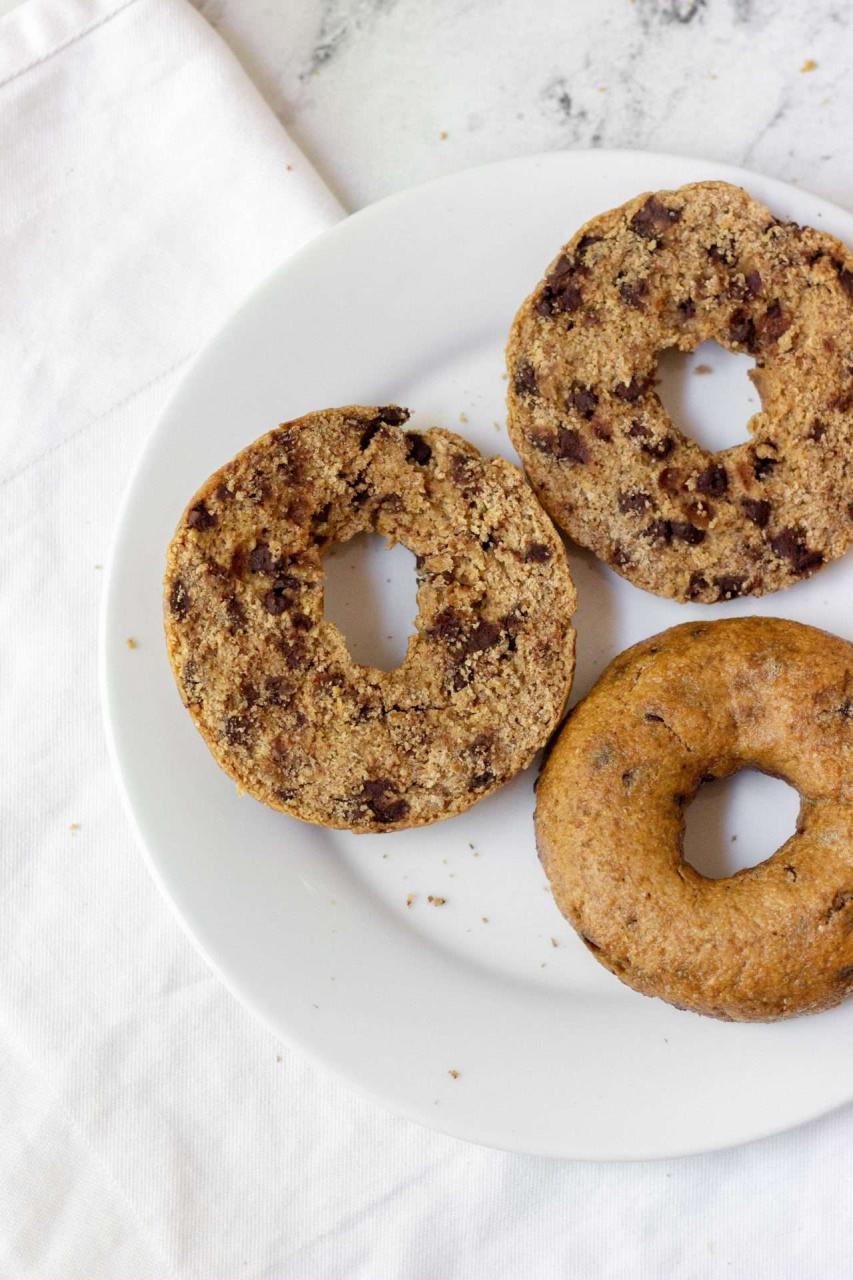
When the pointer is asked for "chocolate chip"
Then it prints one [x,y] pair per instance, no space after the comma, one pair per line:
[379,795]
[484,636]
[551,303]
[237,731]
[462,468]
[321,516]
[585,242]
[278,692]
[200,518]
[562,268]
[686,309]
[724,253]
[773,323]
[632,292]
[537,553]
[659,531]
[636,501]
[696,586]
[671,479]
[753,283]
[583,400]
[714,480]
[639,431]
[236,614]
[817,430]
[295,654]
[369,432]
[757,510]
[419,450]
[260,559]
[602,432]
[570,445]
[652,218]
[276,600]
[560,292]
[762,467]
[481,780]
[544,441]
[729,586]
[790,545]
[394,415]
[525,379]
[845,279]
[633,390]
[302,622]
[700,512]
[742,329]
[447,625]
[179,600]
[661,448]
[687,532]
[331,678]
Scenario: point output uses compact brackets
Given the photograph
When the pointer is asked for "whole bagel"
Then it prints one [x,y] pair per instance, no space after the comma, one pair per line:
[698,702]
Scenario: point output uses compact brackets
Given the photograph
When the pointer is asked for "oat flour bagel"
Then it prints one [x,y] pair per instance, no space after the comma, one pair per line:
[271,685]
[703,700]
[671,270]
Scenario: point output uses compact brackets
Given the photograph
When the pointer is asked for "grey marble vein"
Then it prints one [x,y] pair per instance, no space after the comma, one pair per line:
[386,93]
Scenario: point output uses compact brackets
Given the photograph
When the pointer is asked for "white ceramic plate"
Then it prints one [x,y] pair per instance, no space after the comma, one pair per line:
[410,301]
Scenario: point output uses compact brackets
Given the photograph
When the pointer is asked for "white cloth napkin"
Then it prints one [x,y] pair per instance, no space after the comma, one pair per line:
[148,1127]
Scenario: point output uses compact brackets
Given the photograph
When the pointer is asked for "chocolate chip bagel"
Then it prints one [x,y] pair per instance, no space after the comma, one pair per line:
[701,701]
[672,270]
[269,681]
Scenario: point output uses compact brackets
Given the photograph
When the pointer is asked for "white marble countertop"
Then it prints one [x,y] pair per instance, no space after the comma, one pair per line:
[382,94]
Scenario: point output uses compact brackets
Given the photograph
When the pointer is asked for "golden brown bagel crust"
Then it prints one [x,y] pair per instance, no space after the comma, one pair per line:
[705,699]
[672,270]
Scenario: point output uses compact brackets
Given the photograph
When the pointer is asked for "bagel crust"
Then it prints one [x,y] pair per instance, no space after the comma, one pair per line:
[698,702]
[269,681]
[671,270]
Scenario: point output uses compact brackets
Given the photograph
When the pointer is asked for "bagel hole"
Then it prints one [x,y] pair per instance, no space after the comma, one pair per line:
[371,596]
[708,394]
[738,822]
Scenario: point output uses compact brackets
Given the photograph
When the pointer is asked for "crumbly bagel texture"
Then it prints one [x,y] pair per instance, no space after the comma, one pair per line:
[269,681]
[672,270]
